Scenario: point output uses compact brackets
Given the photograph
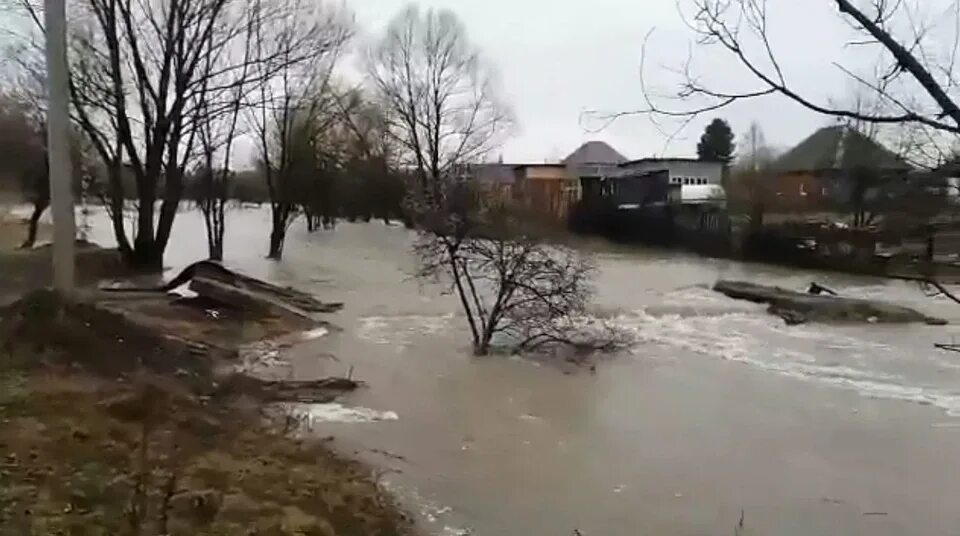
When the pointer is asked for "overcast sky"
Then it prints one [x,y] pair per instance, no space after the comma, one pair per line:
[557,58]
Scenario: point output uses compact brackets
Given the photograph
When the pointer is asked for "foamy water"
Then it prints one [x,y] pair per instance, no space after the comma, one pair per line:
[870,360]
[326,413]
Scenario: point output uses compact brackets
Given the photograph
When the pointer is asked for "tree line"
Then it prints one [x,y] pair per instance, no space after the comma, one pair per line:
[166,95]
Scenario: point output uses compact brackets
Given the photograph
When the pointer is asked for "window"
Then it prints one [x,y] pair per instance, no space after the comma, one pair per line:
[686,180]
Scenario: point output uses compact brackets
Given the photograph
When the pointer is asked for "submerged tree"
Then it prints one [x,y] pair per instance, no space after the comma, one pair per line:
[23,157]
[376,187]
[23,153]
[517,291]
[443,112]
[217,114]
[294,105]
[145,74]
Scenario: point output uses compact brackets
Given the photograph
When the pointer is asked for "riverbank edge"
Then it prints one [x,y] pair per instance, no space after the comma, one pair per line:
[94,440]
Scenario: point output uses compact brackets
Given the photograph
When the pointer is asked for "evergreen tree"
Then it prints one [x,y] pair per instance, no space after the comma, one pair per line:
[717,143]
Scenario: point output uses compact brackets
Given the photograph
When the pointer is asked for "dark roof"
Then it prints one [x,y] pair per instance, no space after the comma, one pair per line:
[838,148]
[550,164]
[594,152]
[659,160]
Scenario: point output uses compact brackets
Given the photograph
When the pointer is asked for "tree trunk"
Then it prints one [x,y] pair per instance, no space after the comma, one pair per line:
[277,237]
[483,347]
[147,255]
[216,251]
[38,209]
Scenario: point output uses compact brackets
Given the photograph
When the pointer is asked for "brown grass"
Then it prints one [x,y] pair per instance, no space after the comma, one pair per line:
[81,454]
[92,449]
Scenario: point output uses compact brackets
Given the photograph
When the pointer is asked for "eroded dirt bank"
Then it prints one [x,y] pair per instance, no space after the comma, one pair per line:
[107,429]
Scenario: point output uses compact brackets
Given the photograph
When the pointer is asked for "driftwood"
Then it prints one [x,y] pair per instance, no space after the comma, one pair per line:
[214,281]
[306,392]
[798,307]
[817,289]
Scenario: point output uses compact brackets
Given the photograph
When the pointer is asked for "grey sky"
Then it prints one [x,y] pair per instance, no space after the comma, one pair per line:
[557,58]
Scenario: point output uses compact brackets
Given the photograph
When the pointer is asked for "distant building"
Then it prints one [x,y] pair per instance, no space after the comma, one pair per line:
[830,167]
[662,181]
[681,171]
[493,182]
[591,164]
[547,189]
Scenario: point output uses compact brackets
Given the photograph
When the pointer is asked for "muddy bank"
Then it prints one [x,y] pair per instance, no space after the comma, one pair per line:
[799,308]
[98,441]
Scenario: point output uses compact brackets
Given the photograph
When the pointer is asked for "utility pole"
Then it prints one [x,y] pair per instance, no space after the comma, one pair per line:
[58,145]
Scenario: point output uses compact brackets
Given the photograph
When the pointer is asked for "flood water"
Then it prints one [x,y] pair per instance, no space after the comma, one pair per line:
[719,410]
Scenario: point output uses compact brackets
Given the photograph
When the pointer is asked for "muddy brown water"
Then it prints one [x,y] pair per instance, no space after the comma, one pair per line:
[719,409]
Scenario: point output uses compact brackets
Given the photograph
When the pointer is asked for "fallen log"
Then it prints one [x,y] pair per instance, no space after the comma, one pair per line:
[306,392]
[234,285]
[799,308]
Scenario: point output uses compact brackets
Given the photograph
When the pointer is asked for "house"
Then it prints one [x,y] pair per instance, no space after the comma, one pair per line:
[638,190]
[591,163]
[834,166]
[552,189]
[682,171]
[686,181]
[493,182]
[548,190]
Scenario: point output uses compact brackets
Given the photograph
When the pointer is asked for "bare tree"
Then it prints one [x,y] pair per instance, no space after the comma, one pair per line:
[518,292]
[746,188]
[443,112]
[23,157]
[440,96]
[371,160]
[294,104]
[144,75]
[217,117]
[23,152]
[910,86]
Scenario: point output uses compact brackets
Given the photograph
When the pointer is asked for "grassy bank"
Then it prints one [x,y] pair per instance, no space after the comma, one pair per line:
[86,455]
[93,442]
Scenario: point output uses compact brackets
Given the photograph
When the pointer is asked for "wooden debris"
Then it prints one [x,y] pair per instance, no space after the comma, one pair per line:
[307,392]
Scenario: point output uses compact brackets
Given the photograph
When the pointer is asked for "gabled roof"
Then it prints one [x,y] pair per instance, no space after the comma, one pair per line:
[838,148]
[594,152]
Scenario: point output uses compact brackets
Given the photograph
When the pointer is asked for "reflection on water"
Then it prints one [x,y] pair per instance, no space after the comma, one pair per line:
[719,408]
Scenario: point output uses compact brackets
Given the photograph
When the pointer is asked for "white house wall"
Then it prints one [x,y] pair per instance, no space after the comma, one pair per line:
[695,173]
